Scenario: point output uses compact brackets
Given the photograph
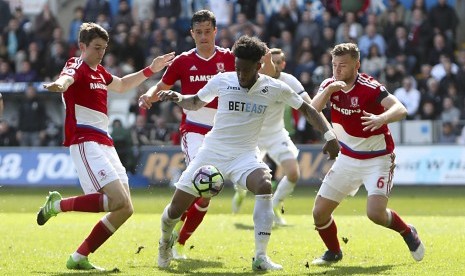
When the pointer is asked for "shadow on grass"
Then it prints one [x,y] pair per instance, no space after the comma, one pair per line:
[352,270]
[114,271]
[241,226]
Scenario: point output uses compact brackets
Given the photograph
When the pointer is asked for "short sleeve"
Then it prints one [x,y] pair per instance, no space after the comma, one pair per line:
[210,90]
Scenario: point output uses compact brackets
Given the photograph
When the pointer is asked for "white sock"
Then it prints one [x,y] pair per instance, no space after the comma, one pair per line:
[285,188]
[167,225]
[263,221]
[56,206]
[77,257]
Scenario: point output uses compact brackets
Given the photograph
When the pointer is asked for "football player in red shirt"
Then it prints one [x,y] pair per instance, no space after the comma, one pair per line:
[84,83]
[361,109]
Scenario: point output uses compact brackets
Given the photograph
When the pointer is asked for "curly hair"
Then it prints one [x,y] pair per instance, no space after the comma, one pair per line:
[89,31]
[202,16]
[249,48]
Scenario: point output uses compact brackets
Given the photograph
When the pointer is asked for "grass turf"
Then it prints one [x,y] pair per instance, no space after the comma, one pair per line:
[223,244]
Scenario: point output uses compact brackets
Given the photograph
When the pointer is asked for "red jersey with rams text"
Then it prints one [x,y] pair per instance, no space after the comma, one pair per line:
[193,72]
[86,103]
[346,112]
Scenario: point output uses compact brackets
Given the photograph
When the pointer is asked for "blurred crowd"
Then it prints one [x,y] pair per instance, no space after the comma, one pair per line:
[413,51]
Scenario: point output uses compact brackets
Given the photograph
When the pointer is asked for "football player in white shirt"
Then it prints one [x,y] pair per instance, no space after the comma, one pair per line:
[274,140]
[244,99]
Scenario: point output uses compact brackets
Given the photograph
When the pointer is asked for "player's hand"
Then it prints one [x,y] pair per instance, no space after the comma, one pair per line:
[161,62]
[54,87]
[332,148]
[335,86]
[169,95]
[145,101]
[372,122]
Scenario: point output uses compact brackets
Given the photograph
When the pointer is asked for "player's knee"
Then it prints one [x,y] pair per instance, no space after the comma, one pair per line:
[118,201]
[320,216]
[293,176]
[203,202]
[263,187]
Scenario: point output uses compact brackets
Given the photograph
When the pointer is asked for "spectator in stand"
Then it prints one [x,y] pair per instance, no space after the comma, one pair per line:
[393,6]
[369,38]
[392,77]
[427,111]
[140,132]
[248,7]
[327,20]
[56,57]
[278,23]
[328,39]
[7,135]
[450,78]
[95,7]
[447,135]
[409,96]
[432,95]
[53,134]
[241,23]
[3,48]
[25,73]
[450,113]
[142,10]
[439,70]
[1,106]
[444,20]
[374,63]
[32,117]
[401,51]
[420,34]
[456,96]
[73,32]
[132,49]
[23,21]
[5,73]
[36,57]
[168,9]
[349,29]
[423,76]
[5,14]
[160,134]
[307,27]
[123,145]
[44,25]
[389,27]
[15,38]
[124,14]
[439,48]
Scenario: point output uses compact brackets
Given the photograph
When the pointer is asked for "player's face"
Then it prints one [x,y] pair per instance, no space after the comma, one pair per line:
[94,52]
[204,34]
[247,72]
[345,68]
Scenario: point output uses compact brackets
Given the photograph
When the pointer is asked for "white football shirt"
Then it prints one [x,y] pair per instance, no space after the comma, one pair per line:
[274,121]
[241,111]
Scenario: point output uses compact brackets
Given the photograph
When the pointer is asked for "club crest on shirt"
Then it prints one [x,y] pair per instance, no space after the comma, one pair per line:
[265,90]
[220,67]
[102,174]
[354,102]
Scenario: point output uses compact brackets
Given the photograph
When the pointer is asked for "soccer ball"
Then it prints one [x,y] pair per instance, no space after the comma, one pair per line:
[208,181]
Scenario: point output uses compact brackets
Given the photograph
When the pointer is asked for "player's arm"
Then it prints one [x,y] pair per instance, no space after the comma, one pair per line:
[268,67]
[308,100]
[321,98]
[146,99]
[60,85]
[189,102]
[316,120]
[394,111]
[130,81]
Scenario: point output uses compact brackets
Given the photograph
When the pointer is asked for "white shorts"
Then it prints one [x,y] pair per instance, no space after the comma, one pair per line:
[96,165]
[234,168]
[279,148]
[347,175]
[190,144]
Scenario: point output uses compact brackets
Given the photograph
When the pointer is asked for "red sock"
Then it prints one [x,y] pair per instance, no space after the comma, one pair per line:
[329,236]
[193,219]
[397,224]
[96,238]
[92,203]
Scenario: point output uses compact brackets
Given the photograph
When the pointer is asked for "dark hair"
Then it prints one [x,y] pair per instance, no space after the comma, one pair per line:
[90,31]
[202,16]
[249,48]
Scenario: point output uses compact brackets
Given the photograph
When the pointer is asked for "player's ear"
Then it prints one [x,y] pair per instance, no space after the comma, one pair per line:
[82,47]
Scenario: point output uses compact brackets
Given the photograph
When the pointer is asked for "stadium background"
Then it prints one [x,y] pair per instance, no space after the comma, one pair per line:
[424,155]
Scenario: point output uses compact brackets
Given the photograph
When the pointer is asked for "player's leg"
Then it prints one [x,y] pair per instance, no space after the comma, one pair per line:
[194,217]
[109,174]
[259,183]
[343,176]
[379,184]
[238,198]
[285,187]
[171,215]
[191,219]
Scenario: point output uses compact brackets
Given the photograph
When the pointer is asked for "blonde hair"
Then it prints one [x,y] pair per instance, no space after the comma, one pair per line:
[346,49]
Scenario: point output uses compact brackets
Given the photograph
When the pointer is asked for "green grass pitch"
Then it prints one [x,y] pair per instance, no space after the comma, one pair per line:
[223,244]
